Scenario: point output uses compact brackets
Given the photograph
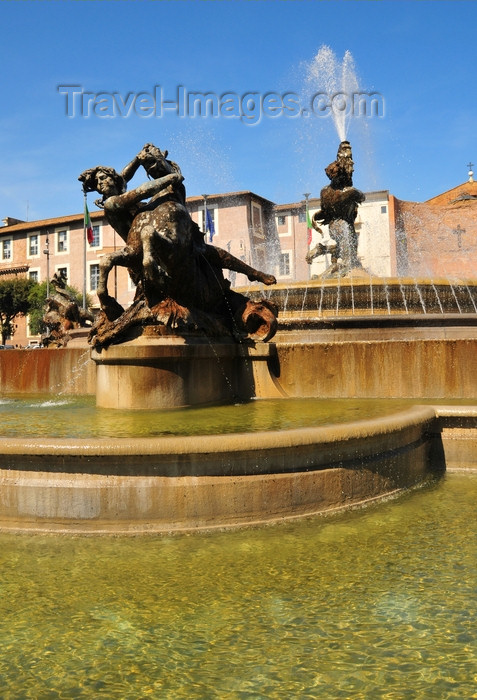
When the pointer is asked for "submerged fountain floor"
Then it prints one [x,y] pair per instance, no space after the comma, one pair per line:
[366,604]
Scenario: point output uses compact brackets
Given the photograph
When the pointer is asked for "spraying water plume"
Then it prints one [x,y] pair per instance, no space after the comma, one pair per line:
[338,81]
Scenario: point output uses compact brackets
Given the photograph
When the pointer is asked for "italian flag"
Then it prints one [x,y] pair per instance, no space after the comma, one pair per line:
[308,226]
[87,223]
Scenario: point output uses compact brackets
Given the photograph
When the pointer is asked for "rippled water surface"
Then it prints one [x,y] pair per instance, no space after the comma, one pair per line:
[79,417]
[376,603]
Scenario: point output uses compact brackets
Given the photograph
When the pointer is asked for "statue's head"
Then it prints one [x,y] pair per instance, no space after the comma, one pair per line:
[151,153]
[155,161]
[340,171]
[59,279]
[104,180]
[332,171]
[344,150]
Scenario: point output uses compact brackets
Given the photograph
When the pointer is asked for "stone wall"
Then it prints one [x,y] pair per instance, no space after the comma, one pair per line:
[438,238]
[44,371]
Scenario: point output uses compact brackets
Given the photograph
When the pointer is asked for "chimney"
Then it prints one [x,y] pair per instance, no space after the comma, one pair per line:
[10,221]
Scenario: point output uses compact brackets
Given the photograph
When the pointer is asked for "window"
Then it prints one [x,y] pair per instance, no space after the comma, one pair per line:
[384,209]
[95,243]
[302,217]
[93,277]
[34,275]
[281,220]
[7,249]
[33,245]
[62,241]
[284,266]
[256,215]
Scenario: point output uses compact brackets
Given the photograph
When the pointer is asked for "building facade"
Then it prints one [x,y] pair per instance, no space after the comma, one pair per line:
[243,225]
[438,238]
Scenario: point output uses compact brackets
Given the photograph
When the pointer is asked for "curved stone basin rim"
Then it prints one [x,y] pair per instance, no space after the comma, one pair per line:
[224,482]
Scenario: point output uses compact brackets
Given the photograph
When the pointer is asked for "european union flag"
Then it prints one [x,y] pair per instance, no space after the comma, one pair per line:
[209,225]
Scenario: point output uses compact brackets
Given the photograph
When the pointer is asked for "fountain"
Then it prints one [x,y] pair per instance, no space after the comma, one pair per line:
[189,341]
[339,208]
[378,600]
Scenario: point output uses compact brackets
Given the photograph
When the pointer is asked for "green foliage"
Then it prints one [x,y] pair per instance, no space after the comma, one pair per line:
[14,301]
[37,298]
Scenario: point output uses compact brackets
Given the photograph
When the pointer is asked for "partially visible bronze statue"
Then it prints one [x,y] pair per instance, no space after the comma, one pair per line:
[62,314]
[339,208]
[178,277]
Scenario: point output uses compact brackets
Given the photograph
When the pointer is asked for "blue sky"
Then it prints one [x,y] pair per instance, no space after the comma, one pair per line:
[419,56]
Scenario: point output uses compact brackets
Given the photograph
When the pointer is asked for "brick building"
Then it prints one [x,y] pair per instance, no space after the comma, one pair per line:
[438,238]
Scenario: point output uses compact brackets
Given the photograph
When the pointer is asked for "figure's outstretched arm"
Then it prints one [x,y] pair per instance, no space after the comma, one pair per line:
[317,217]
[227,261]
[130,169]
[144,191]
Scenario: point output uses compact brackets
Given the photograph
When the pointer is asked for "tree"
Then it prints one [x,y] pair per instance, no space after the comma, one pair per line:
[37,298]
[14,301]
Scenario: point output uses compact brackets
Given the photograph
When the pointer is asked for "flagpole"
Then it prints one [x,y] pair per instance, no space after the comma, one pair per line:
[307,211]
[84,253]
[308,232]
[205,214]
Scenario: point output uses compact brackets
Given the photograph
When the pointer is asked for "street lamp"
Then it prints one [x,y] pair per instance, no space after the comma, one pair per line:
[307,216]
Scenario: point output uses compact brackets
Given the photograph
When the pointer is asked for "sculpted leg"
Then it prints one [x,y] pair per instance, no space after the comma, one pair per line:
[122,258]
[227,261]
[151,268]
[105,266]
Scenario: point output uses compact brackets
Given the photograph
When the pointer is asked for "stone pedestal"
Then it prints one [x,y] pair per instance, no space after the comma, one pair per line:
[171,372]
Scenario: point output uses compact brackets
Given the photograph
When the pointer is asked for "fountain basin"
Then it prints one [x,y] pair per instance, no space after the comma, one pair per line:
[189,483]
[369,362]
[168,484]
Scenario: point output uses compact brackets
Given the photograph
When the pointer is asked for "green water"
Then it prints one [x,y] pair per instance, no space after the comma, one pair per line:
[376,603]
[79,417]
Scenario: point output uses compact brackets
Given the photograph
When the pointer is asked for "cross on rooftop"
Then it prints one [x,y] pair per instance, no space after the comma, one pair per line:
[458,232]
[470,165]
